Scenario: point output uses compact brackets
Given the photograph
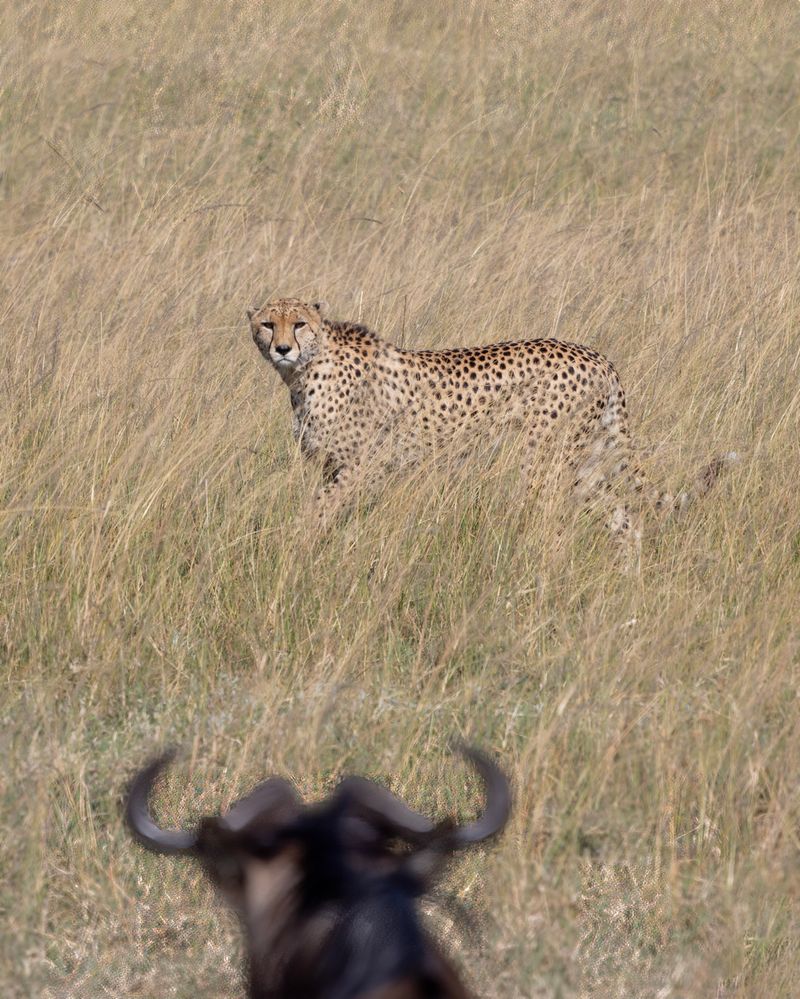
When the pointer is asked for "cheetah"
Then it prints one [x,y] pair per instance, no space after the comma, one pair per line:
[360,402]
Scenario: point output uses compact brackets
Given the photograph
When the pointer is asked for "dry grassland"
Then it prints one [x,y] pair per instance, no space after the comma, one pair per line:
[450,174]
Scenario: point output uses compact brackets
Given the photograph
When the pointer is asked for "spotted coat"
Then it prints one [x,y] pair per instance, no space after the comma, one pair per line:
[360,402]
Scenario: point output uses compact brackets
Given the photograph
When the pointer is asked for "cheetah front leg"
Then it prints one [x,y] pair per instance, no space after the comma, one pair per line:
[335,493]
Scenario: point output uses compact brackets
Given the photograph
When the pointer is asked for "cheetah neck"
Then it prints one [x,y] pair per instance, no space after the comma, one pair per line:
[293,378]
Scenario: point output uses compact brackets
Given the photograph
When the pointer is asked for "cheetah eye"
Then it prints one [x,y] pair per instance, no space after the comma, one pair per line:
[300,325]
[268,326]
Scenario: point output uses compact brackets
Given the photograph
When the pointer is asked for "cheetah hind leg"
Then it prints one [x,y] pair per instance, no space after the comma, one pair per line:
[598,480]
[600,471]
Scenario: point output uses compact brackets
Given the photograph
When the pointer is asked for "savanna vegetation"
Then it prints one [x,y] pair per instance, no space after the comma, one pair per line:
[625,175]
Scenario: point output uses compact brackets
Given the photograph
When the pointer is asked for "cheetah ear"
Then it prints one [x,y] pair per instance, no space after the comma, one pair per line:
[251,312]
[321,307]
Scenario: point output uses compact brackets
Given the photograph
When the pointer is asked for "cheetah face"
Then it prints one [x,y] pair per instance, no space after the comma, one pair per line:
[287,331]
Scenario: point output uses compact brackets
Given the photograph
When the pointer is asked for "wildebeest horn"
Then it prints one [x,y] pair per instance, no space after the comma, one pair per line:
[137,812]
[381,805]
[498,800]
[271,794]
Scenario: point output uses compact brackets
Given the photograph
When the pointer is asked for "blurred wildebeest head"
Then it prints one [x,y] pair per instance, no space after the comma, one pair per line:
[326,893]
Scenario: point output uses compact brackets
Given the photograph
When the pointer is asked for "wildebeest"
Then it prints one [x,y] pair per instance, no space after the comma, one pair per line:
[327,893]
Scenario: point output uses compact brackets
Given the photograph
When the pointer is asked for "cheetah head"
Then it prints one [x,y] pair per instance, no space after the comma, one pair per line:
[287,332]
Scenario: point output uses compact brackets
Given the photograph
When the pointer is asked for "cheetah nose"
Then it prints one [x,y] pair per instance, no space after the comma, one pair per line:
[283,349]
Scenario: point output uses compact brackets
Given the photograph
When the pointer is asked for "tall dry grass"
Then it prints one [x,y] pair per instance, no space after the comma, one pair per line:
[625,175]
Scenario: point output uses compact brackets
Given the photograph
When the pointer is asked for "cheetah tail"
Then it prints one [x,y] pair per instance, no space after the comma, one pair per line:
[705,480]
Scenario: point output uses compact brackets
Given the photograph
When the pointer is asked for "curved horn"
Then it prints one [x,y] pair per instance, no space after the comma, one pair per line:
[268,797]
[381,805]
[137,812]
[498,800]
